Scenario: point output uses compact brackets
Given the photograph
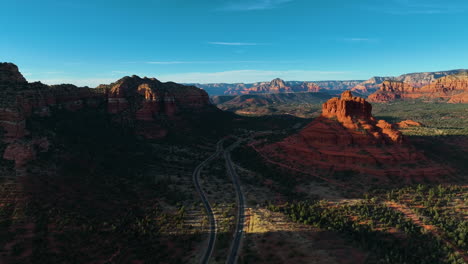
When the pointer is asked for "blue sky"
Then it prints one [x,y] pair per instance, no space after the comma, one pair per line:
[90,42]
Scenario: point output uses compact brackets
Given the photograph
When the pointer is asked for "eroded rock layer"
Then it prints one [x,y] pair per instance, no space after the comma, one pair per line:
[451,88]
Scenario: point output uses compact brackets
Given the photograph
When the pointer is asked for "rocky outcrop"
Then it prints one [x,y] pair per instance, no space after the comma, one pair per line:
[150,102]
[145,104]
[355,114]
[148,97]
[307,87]
[370,85]
[24,151]
[390,91]
[215,89]
[21,101]
[421,79]
[416,80]
[461,98]
[408,124]
[450,88]
[275,86]
[448,84]
[338,85]
[280,86]
[9,74]
[347,137]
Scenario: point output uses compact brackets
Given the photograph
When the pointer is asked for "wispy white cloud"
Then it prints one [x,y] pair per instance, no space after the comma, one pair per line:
[169,62]
[419,7]
[235,43]
[360,39]
[251,5]
[213,62]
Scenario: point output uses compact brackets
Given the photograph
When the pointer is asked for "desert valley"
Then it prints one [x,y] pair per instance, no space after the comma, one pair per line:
[285,172]
[233,132]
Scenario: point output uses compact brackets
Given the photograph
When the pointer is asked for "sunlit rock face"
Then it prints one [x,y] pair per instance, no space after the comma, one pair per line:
[451,88]
[347,137]
[148,97]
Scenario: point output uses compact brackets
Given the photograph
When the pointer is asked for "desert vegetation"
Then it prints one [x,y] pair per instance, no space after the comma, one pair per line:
[386,233]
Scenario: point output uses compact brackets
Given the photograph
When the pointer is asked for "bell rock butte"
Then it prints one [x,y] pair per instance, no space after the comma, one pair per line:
[347,137]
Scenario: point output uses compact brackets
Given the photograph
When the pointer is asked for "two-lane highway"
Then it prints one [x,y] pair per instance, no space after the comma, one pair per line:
[234,251]
[213,227]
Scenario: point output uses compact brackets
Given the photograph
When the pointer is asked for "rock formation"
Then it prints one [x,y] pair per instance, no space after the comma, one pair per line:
[416,80]
[143,103]
[408,124]
[450,88]
[390,91]
[421,79]
[355,114]
[21,101]
[9,73]
[275,86]
[347,137]
[214,89]
[149,101]
[370,85]
[461,98]
[338,85]
[307,87]
[447,84]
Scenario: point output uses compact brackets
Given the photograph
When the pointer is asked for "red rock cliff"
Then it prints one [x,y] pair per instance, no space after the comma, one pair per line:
[451,88]
[21,100]
[391,90]
[145,103]
[148,97]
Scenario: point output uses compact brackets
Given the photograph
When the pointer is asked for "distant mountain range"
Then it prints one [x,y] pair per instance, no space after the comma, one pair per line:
[275,86]
[451,88]
[363,87]
[417,80]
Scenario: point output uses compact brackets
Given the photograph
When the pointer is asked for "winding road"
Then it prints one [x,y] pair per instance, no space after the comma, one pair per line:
[233,253]
[206,203]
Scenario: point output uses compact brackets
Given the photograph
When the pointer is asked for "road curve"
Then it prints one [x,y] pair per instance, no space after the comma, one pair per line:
[213,228]
[233,253]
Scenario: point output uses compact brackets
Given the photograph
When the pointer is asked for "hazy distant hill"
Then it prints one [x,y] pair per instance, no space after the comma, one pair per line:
[277,98]
[298,104]
[275,86]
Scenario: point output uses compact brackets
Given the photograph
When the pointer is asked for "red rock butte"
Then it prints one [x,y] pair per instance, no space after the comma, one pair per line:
[347,137]
[355,114]
[145,102]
